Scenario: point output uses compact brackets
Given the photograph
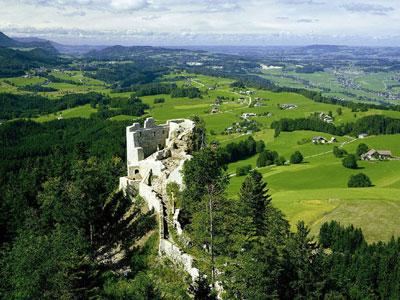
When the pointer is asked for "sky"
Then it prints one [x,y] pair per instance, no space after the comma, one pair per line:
[205,22]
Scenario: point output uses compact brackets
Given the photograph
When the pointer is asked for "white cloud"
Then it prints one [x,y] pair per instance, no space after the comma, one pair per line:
[377,9]
[202,21]
[128,4]
[117,5]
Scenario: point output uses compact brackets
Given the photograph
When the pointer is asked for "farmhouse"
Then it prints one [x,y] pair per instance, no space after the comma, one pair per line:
[288,106]
[362,135]
[319,140]
[326,118]
[214,110]
[377,155]
[248,115]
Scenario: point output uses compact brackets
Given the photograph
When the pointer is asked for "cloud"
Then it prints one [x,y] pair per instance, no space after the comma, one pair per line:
[75,13]
[128,4]
[375,9]
[307,20]
[207,6]
[301,2]
[111,5]
[201,21]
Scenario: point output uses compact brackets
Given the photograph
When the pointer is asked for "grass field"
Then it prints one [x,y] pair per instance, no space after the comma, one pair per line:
[331,82]
[81,111]
[315,191]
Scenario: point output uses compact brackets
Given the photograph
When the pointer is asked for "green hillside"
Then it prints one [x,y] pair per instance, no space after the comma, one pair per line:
[314,191]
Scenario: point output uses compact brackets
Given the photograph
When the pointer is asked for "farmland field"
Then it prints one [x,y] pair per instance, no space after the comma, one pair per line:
[314,191]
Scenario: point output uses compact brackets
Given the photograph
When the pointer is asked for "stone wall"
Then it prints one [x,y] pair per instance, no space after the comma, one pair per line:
[151,198]
[176,175]
[177,256]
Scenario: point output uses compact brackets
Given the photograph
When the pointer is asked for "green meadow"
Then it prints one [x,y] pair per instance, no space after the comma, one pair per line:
[314,191]
[83,111]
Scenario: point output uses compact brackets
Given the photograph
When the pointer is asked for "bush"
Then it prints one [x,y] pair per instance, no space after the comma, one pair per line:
[266,158]
[244,170]
[359,180]
[296,158]
[260,146]
[280,161]
[350,162]
[338,152]
[361,149]
[159,100]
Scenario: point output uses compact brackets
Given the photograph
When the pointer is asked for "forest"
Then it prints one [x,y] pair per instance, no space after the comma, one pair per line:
[374,124]
[28,106]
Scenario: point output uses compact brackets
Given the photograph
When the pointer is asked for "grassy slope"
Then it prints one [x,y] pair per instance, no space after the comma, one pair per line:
[81,111]
[314,191]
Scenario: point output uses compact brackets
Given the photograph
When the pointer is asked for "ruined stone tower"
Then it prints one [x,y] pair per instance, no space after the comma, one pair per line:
[155,157]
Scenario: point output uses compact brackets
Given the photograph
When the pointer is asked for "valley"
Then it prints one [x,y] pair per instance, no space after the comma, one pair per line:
[314,191]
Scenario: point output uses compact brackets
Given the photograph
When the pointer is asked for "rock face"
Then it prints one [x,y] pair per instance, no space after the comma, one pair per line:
[155,157]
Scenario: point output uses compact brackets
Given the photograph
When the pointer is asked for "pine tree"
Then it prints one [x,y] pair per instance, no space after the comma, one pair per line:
[254,201]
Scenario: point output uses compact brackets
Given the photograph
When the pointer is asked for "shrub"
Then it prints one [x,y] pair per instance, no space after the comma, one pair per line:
[338,152]
[159,100]
[359,180]
[350,162]
[266,158]
[244,170]
[296,158]
[280,161]
[361,149]
[260,146]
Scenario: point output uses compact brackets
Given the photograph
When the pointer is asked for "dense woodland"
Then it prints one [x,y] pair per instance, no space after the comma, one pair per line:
[26,106]
[125,75]
[16,62]
[375,124]
[61,216]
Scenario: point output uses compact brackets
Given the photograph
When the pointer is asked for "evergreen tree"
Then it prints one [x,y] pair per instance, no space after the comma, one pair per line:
[254,200]
[260,146]
[201,289]
[199,133]
[304,269]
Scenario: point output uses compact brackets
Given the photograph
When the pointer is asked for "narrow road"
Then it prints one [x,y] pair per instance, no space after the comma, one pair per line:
[197,82]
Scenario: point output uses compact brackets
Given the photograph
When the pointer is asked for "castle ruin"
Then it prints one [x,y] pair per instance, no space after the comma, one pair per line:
[155,157]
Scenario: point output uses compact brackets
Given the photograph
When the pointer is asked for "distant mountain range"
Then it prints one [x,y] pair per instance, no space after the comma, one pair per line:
[26,43]
[20,55]
[50,46]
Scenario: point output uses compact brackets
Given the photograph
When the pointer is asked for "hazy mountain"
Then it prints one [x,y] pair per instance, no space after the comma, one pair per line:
[14,62]
[26,43]
[6,41]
